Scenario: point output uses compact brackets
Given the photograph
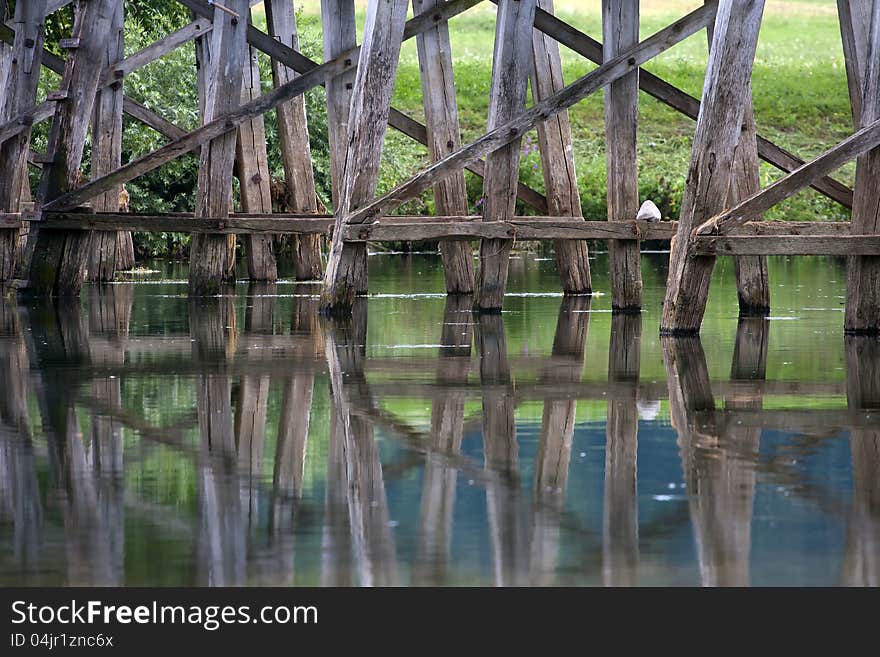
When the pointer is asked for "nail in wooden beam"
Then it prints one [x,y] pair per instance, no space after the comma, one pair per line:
[107,156]
[59,257]
[711,169]
[863,272]
[511,64]
[252,167]
[557,160]
[346,274]
[620,525]
[20,73]
[293,135]
[444,136]
[211,263]
[620,32]
[752,278]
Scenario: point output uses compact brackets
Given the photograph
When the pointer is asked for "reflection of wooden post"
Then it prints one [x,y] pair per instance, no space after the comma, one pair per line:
[447,428]
[620,529]
[221,539]
[19,490]
[554,445]
[372,541]
[862,561]
[719,475]
[508,531]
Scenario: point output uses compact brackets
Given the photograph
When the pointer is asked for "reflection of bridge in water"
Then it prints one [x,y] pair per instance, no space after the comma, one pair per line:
[73,365]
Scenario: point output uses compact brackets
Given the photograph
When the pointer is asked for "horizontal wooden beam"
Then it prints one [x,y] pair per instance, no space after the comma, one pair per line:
[502,135]
[859,142]
[681,101]
[834,245]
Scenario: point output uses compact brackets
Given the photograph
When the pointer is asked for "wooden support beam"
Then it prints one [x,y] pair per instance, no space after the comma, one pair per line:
[59,257]
[561,100]
[346,274]
[156,50]
[210,261]
[21,65]
[833,245]
[293,135]
[711,170]
[863,273]
[107,156]
[752,279]
[557,159]
[855,22]
[511,62]
[620,31]
[252,170]
[444,137]
[859,142]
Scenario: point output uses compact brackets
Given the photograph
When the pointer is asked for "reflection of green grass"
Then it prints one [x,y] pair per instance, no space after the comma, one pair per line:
[801,100]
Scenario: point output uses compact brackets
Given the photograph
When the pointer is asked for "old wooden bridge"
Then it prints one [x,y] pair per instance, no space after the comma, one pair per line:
[73,228]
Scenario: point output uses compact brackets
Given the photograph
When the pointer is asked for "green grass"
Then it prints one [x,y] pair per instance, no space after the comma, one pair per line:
[799,88]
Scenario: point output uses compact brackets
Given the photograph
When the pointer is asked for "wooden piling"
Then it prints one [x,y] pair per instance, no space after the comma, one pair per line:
[108,247]
[620,31]
[210,266]
[252,168]
[511,64]
[293,137]
[444,137]
[711,168]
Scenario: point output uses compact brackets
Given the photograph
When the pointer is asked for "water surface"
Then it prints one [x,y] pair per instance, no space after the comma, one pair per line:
[146,439]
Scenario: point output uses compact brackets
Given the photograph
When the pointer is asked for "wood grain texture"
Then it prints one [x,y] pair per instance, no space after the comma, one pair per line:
[620,32]
[711,169]
[293,136]
[511,64]
[444,136]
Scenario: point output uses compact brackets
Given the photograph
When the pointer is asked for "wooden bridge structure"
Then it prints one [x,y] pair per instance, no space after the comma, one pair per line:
[73,228]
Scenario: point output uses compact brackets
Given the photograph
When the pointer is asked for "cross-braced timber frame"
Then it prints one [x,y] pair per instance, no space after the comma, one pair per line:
[73,230]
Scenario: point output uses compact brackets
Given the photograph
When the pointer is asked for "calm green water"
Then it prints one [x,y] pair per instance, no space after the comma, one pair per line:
[148,440]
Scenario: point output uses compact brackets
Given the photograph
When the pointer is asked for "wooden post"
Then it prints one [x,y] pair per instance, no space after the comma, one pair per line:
[620,32]
[252,165]
[620,525]
[511,63]
[863,272]
[107,155]
[346,274]
[210,262]
[554,443]
[861,566]
[752,279]
[508,528]
[59,257]
[434,538]
[711,169]
[19,76]
[293,134]
[855,24]
[444,136]
[557,160]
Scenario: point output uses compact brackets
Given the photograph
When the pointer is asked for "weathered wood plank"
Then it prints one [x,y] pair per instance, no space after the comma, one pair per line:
[293,135]
[620,31]
[561,100]
[156,50]
[59,257]
[511,63]
[346,274]
[711,169]
[210,263]
[444,136]
[107,156]
[22,73]
[838,245]
[855,22]
[252,170]
[863,273]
